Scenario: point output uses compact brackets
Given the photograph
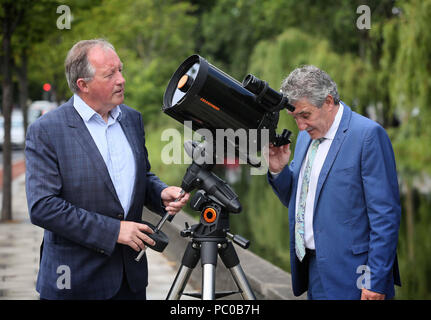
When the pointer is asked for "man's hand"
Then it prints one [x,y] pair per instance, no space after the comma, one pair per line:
[277,157]
[131,235]
[370,295]
[169,195]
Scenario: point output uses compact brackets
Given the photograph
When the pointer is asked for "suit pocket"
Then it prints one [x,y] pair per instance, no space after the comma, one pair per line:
[345,171]
[360,248]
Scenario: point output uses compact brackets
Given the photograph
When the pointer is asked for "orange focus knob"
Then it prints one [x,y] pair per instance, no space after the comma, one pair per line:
[210,215]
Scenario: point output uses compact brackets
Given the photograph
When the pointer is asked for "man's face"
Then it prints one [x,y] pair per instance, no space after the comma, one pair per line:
[107,86]
[316,121]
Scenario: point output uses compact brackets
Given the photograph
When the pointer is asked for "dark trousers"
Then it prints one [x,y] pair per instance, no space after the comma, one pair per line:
[125,293]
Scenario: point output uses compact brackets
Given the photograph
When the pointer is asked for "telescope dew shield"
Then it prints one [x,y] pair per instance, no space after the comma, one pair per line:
[211,99]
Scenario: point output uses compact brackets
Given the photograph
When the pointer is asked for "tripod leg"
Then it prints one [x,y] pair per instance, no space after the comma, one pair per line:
[209,253]
[242,283]
[231,261]
[190,259]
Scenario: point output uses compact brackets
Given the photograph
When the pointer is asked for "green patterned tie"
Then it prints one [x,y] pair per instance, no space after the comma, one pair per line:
[300,212]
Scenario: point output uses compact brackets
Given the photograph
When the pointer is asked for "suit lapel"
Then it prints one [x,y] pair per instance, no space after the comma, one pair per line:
[81,133]
[333,151]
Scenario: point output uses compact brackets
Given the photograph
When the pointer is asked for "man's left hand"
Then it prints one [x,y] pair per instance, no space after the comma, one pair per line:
[370,295]
[169,195]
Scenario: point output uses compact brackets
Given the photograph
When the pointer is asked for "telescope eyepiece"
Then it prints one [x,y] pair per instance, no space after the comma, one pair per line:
[253,84]
[270,99]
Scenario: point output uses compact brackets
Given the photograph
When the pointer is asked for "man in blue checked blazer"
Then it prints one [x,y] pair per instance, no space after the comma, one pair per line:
[87,180]
[341,189]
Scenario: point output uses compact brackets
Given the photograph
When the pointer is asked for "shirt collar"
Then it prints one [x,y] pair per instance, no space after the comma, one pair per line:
[86,112]
[334,127]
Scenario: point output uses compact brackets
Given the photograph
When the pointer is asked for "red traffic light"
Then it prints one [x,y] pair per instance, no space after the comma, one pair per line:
[46,87]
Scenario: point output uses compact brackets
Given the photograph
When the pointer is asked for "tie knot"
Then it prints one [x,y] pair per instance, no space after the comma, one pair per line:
[317,142]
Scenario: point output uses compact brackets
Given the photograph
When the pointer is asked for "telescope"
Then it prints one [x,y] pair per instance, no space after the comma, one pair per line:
[204,95]
[207,98]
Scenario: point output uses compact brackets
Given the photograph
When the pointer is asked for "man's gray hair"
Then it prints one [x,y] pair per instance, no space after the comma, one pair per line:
[77,64]
[311,83]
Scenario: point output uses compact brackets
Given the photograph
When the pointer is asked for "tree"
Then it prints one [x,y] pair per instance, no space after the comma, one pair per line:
[24,23]
[232,28]
[10,15]
[37,23]
[408,58]
[151,38]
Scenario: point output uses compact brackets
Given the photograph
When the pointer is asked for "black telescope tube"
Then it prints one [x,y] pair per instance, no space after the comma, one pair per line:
[207,98]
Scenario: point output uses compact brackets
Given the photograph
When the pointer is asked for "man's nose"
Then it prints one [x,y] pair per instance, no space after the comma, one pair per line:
[120,79]
[301,124]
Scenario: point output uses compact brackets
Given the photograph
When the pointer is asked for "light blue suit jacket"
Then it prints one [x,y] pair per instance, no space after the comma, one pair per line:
[356,211]
[70,194]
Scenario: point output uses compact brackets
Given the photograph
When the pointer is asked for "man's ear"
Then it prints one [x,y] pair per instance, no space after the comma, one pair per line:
[82,85]
[329,101]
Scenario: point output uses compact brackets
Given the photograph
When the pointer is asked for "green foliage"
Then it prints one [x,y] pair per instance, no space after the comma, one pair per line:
[410,90]
[387,68]
[408,57]
[274,59]
[171,173]
[415,275]
[151,38]
[263,220]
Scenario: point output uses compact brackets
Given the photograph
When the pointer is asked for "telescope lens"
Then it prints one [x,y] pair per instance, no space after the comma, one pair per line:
[185,83]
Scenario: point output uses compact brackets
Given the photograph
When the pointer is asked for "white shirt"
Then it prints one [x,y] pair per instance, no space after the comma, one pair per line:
[319,159]
[113,147]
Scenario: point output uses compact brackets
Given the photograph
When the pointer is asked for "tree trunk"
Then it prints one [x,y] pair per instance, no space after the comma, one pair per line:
[23,88]
[7,102]
[410,222]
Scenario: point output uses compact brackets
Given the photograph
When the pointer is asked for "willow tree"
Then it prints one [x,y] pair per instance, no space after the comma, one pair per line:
[410,91]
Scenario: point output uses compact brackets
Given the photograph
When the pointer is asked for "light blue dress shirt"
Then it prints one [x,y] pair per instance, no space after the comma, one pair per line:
[114,148]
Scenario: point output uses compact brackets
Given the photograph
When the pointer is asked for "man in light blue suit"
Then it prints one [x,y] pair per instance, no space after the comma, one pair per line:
[342,195]
[87,180]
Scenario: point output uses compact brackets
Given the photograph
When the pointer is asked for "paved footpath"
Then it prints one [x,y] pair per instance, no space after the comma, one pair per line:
[19,255]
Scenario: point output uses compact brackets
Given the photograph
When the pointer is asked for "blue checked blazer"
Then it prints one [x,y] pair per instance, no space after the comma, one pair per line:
[70,195]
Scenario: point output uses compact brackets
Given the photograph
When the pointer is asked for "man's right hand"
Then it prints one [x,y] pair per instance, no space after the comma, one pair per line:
[131,235]
[278,157]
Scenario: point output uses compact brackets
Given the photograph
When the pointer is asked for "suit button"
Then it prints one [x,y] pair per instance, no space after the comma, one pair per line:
[120,216]
[101,251]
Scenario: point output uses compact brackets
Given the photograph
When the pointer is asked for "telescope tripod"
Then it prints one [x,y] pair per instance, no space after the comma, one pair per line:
[210,238]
